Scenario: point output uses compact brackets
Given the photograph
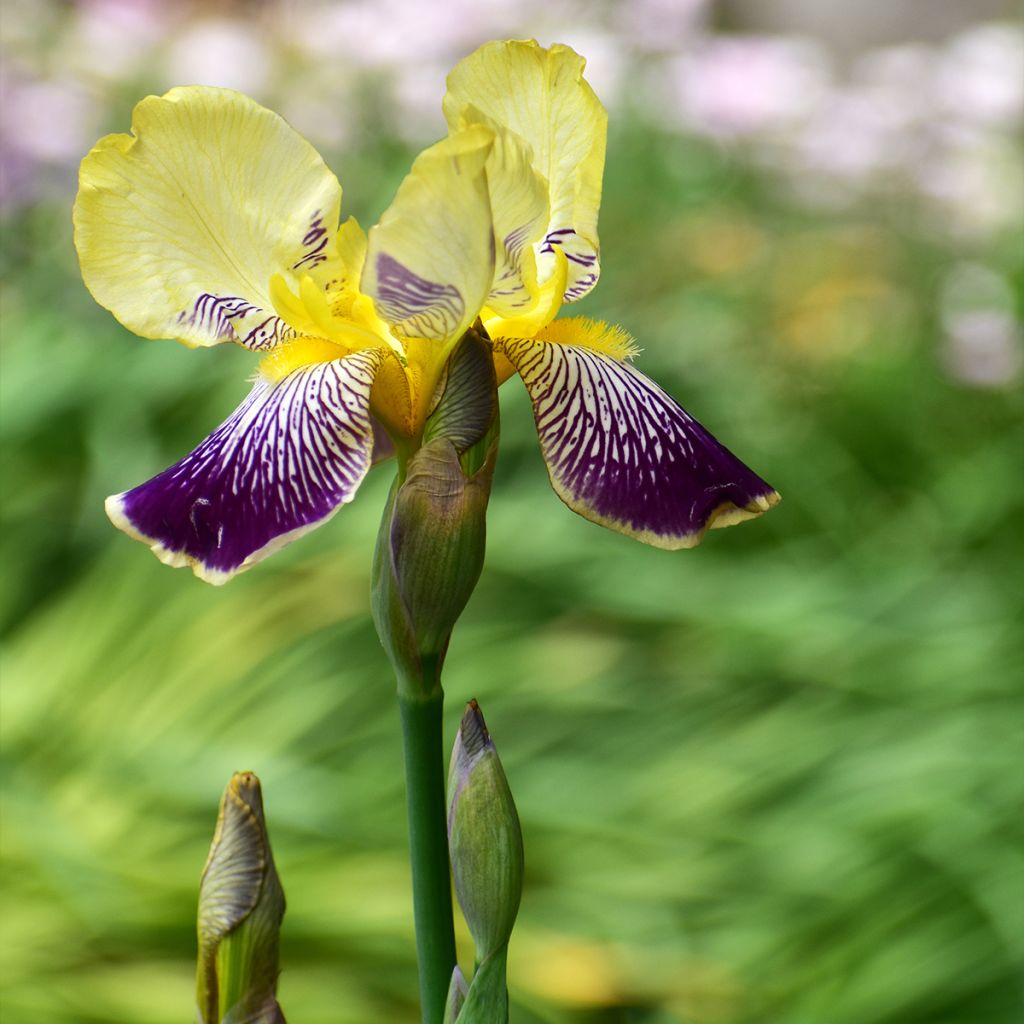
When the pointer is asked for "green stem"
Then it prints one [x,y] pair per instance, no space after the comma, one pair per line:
[428,844]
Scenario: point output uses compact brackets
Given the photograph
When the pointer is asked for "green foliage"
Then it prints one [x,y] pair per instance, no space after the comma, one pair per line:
[773,779]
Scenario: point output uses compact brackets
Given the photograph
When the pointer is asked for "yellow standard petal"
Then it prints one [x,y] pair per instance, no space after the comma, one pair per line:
[521,210]
[181,225]
[430,259]
[541,96]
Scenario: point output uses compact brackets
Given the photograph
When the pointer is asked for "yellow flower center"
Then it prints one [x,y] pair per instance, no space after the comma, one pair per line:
[331,326]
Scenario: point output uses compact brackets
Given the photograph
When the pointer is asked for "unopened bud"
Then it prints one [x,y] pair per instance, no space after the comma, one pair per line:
[241,905]
[484,838]
[430,549]
[457,991]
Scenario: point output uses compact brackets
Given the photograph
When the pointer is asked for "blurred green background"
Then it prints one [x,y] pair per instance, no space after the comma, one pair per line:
[774,780]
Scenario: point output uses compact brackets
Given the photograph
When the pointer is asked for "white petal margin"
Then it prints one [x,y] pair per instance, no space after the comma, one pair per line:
[623,454]
[180,225]
[283,463]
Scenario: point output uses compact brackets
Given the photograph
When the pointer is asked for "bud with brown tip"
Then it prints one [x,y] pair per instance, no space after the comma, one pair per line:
[241,905]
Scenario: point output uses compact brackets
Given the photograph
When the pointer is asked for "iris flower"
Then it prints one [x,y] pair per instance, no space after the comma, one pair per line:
[214,221]
[618,449]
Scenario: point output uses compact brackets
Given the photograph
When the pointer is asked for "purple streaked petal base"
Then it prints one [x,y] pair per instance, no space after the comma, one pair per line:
[581,255]
[623,454]
[284,461]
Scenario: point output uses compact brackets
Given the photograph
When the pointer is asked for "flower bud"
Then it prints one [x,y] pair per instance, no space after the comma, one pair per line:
[430,548]
[457,991]
[484,838]
[466,412]
[241,905]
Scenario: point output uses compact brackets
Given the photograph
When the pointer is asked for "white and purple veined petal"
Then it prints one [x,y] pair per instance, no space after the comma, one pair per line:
[418,307]
[583,266]
[233,318]
[623,454]
[281,464]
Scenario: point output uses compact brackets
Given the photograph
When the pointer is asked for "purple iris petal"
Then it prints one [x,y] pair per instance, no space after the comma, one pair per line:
[283,462]
[623,454]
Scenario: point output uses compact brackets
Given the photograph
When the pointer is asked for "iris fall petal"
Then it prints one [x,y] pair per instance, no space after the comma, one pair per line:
[284,461]
[623,454]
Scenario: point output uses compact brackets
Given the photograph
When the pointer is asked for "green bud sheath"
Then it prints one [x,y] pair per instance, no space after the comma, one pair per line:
[484,839]
[430,548]
[429,554]
[486,1001]
[467,408]
[241,905]
[456,997]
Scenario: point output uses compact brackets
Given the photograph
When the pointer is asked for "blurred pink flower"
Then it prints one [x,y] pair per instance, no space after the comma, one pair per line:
[389,33]
[49,121]
[659,25]
[983,349]
[747,85]
[228,53]
[981,75]
[114,39]
[982,341]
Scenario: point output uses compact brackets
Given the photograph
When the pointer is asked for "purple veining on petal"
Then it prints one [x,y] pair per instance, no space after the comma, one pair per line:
[580,288]
[267,334]
[314,242]
[226,317]
[583,261]
[213,314]
[424,308]
[515,240]
[510,279]
[564,238]
[555,235]
[503,293]
[621,451]
[284,460]
[580,254]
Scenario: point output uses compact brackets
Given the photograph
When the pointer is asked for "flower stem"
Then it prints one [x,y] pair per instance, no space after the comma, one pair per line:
[428,844]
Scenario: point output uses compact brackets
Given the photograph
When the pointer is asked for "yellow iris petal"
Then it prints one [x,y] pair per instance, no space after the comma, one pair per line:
[351,244]
[521,210]
[430,259]
[180,226]
[289,306]
[541,96]
[547,302]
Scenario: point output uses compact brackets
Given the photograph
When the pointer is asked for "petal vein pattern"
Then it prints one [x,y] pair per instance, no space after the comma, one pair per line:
[180,226]
[426,309]
[623,454]
[287,458]
[232,318]
[430,258]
